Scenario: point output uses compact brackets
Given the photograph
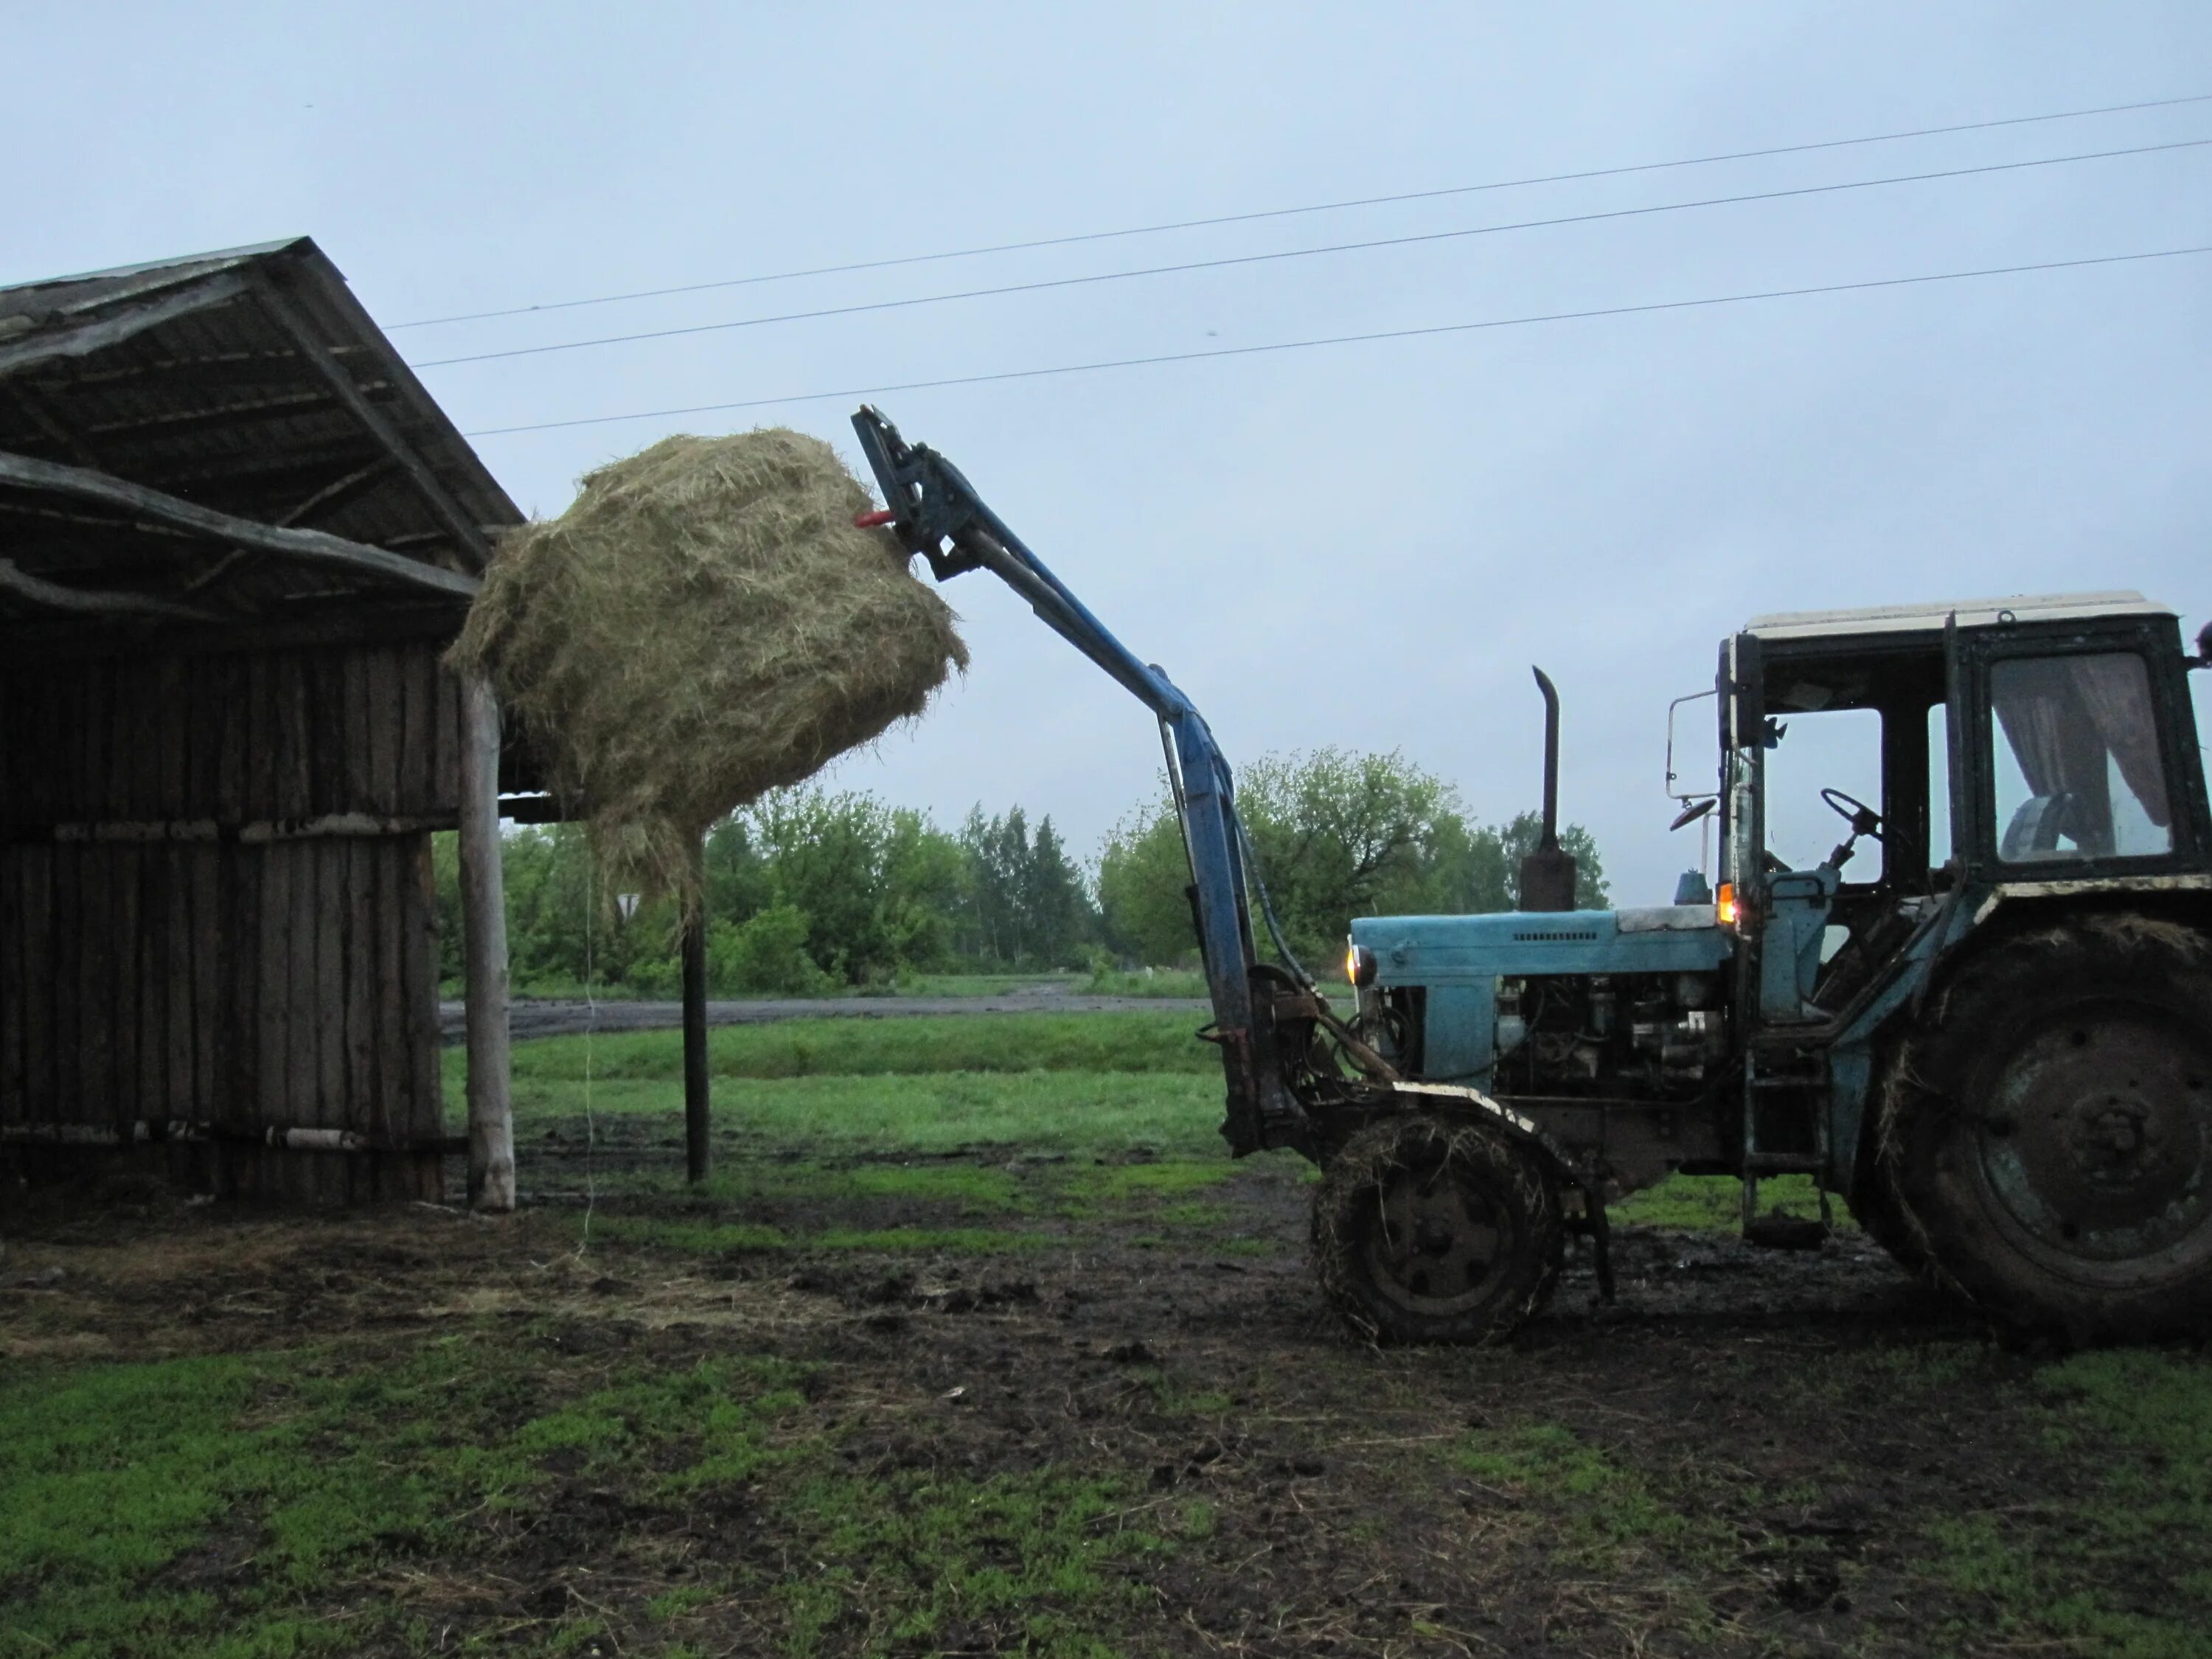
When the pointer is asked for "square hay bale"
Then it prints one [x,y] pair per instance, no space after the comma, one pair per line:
[704,623]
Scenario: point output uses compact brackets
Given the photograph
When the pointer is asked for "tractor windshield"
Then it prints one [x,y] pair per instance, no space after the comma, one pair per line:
[1835,749]
[2078,772]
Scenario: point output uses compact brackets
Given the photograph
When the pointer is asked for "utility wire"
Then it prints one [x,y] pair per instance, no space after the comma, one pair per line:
[1303,253]
[1350,339]
[1292,212]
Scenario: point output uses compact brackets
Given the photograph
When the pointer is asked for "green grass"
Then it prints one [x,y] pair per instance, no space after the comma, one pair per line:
[1106,1113]
[972,1190]
[1068,1083]
[947,1195]
[1160,982]
[562,988]
[1609,1510]
[1715,1203]
[1136,1040]
[301,1471]
[2142,1421]
[300,1481]
[1122,1180]
[911,1554]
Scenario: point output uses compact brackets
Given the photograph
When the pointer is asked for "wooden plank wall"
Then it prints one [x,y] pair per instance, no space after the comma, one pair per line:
[157,965]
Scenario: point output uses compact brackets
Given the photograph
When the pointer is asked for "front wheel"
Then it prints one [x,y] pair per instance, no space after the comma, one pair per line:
[1425,1231]
[2051,1138]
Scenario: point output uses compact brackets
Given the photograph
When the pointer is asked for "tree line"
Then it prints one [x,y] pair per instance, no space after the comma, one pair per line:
[811,889]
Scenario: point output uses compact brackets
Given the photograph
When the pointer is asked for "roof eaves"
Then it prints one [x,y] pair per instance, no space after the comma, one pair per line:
[130,281]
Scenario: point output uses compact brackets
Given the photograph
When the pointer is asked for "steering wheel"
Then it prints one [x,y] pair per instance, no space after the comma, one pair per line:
[1863,818]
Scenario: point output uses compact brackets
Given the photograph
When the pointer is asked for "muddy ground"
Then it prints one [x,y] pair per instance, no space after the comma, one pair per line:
[1749,1453]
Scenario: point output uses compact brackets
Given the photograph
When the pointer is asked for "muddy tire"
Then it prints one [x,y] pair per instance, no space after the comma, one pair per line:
[1880,1211]
[1429,1231]
[2049,1137]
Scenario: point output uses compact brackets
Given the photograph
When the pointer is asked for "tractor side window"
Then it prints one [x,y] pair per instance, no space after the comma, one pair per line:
[2200,692]
[1939,784]
[1829,749]
[2075,740]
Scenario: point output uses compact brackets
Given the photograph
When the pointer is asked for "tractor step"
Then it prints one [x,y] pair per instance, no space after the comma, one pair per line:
[1767,1164]
[1785,1233]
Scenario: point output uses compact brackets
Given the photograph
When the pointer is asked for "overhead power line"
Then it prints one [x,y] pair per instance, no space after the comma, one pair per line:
[1350,339]
[1298,253]
[1310,207]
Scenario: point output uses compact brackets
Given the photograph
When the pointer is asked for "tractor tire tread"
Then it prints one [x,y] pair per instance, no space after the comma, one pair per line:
[1986,1009]
[1351,1178]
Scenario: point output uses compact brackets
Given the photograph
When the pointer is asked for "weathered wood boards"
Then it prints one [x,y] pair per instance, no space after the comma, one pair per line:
[255,965]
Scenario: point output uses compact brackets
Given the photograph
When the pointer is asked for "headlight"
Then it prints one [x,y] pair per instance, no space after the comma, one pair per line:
[1359,966]
[1729,910]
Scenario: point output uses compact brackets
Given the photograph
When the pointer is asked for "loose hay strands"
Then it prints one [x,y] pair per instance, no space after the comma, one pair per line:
[703,625]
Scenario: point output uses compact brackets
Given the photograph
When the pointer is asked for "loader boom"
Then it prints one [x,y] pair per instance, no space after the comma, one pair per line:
[935,512]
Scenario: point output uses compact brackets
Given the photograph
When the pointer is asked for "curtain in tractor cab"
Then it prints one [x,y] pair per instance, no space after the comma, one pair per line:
[2076,726]
[2115,688]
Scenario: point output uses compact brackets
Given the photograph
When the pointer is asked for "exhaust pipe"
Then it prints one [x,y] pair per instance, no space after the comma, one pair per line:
[1547,875]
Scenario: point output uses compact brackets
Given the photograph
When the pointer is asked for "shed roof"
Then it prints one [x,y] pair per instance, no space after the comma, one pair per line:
[1970,613]
[225,446]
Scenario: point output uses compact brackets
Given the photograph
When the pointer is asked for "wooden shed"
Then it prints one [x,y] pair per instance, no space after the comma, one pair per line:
[235,535]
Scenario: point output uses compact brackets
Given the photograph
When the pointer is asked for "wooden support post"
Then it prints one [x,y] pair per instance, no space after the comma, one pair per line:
[483,916]
[695,1088]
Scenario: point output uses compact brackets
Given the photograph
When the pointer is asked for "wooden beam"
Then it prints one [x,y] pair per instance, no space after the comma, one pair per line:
[434,494]
[81,338]
[697,1083]
[42,418]
[319,546]
[320,500]
[335,491]
[484,916]
[233,416]
[92,602]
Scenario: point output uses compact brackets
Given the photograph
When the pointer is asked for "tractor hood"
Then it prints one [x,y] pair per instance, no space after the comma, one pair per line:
[1667,939]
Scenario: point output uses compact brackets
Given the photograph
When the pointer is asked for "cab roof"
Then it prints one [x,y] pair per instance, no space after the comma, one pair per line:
[1970,613]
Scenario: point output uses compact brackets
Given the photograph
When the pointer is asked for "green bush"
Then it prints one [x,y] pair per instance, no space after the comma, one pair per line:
[766,954]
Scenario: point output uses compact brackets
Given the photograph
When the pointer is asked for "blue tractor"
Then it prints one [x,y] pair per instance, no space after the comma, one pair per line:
[1985,1018]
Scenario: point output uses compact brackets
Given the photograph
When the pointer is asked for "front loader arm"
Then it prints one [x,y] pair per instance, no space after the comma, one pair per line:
[936,513]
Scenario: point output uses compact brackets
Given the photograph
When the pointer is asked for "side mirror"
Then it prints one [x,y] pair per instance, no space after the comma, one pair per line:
[1693,812]
[2204,648]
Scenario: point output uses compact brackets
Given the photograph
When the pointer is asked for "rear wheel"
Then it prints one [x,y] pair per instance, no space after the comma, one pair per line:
[1429,1231]
[2049,1140]
[1880,1211]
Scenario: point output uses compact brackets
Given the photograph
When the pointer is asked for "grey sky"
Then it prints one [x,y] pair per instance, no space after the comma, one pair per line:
[1364,545]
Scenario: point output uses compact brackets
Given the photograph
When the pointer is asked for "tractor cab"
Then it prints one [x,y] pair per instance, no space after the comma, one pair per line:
[2012,745]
